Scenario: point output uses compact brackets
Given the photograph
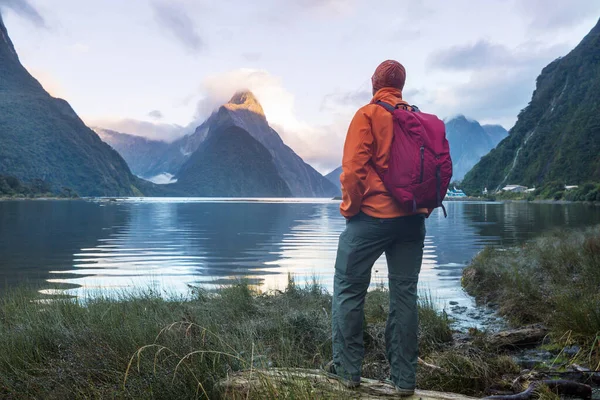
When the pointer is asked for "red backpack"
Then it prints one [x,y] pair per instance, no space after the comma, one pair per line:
[419,168]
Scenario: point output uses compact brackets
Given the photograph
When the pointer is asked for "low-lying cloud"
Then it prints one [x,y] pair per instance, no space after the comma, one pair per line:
[150,130]
[217,89]
[318,144]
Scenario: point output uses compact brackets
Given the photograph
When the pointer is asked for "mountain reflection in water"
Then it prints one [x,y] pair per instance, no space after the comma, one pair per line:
[78,246]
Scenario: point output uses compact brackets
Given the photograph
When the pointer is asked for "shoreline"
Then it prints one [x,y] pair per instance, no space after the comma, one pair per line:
[38,199]
[110,199]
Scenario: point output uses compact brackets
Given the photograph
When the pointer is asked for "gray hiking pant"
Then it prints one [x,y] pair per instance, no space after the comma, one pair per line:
[363,241]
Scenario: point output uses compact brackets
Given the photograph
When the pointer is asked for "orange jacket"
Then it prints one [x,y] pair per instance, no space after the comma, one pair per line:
[367,144]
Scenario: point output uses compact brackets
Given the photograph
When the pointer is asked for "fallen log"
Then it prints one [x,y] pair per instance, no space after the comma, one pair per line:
[560,386]
[271,381]
[518,338]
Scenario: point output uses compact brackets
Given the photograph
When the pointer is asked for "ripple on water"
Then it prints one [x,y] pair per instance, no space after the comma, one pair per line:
[173,243]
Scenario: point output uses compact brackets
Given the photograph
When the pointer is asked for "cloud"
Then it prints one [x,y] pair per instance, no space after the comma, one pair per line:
[340,102]
[252,56]
[155,114]
[217,89]
[163,179]
[499,80]
[24,9]
[80,48]
[489,95]
[283,14]
[470,56]
[150,130]
[318,144]
[485,54]
[175,20]
[404,33]
[330,7]
[543,16]
[410,94]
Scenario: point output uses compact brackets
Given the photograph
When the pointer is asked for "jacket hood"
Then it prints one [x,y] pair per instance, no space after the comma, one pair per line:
[389,95]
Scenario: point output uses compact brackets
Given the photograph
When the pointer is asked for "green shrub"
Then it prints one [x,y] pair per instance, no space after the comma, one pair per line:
[553,280]
[12,187]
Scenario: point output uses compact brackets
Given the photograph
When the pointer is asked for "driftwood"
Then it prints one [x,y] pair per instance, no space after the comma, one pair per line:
[273,380]
[560,386]
[430,366]
[518,338]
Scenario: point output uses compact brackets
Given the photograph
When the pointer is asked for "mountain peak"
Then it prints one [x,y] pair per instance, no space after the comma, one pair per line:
[460,118]
[245,100]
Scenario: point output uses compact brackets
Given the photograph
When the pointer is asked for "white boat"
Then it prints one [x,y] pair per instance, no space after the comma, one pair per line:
[455,193]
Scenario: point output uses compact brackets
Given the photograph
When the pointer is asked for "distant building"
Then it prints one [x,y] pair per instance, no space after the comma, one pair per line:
[571,187]
[485,191]
[455,193]
[530,190]
[514,188]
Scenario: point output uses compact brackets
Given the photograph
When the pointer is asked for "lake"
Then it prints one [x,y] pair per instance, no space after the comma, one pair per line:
[75,247]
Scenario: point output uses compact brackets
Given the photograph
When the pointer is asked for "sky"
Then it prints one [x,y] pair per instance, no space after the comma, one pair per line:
[158,68]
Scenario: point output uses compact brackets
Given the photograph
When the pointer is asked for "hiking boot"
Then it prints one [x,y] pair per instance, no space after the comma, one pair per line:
[401,391]
[332,373]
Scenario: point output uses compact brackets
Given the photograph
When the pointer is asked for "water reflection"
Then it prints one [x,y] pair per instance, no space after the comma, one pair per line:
[175,243]
[39,236]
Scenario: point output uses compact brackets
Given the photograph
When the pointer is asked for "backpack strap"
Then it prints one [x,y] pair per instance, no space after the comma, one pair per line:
[391,108]
[387,106]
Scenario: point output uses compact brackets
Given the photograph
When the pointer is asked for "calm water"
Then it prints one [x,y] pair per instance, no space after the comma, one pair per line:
[172,243]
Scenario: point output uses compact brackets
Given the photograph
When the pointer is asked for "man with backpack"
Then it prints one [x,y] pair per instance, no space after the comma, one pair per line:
[396,168]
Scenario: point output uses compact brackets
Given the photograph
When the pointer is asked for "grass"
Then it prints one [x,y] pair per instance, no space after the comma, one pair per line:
[141,346]
[553,280]
[469,371]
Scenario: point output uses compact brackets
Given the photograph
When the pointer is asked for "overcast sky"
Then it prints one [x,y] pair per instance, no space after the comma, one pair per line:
[149,67]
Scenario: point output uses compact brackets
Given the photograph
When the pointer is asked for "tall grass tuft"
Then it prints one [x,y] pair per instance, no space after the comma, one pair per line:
[553,280]
[142,346]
